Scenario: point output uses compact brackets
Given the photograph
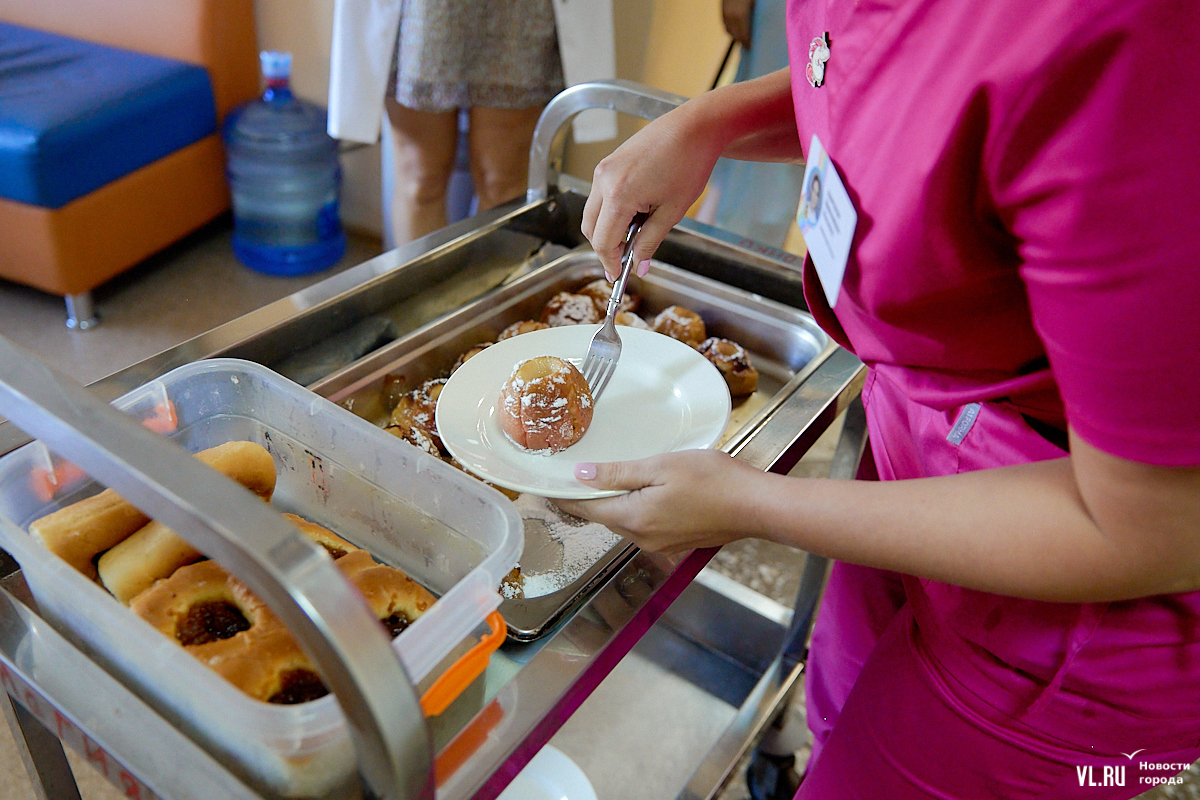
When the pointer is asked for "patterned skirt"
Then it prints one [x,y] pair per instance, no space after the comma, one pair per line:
[462,53]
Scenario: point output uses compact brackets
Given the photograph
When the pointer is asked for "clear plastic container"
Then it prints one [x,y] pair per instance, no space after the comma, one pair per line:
[284,176]
[453,534]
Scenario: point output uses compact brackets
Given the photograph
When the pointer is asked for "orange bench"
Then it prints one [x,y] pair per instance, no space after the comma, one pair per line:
[73,249]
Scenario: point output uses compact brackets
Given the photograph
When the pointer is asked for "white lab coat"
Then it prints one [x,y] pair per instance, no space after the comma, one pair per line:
[364,38]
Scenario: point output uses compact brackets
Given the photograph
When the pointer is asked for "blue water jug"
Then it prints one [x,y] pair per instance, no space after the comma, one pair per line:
[284,176]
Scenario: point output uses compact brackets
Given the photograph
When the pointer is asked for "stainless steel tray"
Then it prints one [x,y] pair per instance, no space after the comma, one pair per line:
[784,344]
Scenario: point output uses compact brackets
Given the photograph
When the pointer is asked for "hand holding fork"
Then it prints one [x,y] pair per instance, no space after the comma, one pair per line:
[605,349]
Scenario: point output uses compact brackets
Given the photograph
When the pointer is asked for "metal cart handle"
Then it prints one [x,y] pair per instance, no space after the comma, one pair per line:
[550,136]
[279,564]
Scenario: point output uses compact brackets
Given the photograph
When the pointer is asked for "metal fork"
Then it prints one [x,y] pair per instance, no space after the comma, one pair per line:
[605,349]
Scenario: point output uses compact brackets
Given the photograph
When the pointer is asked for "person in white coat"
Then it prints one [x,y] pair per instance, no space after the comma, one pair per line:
[423,60]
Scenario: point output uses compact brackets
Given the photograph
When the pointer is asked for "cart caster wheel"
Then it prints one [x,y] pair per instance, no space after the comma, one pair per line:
[772,777]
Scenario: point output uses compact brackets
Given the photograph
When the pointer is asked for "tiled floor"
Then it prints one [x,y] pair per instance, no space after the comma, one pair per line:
[642,732]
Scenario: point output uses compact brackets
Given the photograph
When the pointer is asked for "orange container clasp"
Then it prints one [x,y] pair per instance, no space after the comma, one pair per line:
[164,420]
[455,680]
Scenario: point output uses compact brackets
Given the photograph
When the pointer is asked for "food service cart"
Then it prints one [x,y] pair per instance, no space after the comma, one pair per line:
[432,296]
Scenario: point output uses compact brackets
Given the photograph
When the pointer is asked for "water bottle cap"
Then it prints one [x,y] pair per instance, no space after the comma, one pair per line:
[275,64]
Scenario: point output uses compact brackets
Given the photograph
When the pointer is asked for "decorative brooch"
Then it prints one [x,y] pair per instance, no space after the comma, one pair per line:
[818,54]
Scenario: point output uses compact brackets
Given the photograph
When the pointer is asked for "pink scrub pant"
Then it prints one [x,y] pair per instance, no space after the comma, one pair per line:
[887,722]
[903,704]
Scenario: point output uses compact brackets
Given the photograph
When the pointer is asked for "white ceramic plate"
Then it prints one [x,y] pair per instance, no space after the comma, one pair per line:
[550,775]
[663,396]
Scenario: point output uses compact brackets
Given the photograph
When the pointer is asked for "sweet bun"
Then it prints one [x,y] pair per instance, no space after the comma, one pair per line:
[511,494]
[246,462]
[733,362]
[545,405]
[524,326]
[512,585]
[334,545]
[631,320]
[217,619]
[83,530]
[417,408]
[571,309]
[600,290]
[395,599]
[682,324]
[468,354]
[151,553]
[418,437]
[392,389]
[454,462]
[155,552]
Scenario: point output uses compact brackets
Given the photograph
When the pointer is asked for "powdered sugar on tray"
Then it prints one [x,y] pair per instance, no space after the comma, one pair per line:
[583,544]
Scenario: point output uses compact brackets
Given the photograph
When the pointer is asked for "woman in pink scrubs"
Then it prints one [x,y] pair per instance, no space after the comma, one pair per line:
[1015,612]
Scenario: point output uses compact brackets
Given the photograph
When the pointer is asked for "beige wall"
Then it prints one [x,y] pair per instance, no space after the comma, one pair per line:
[686,41]
[676,45]
[304,28]
[671,44]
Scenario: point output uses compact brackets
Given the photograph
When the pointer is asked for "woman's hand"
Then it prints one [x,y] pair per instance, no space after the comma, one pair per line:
[663,168]
[660,171]
[678,501]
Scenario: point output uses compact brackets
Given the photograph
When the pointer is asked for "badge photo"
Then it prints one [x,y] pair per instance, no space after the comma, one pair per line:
[827,219]
[810,200]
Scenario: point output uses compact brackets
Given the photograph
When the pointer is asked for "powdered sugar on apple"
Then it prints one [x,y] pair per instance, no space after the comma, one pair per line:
[541,408]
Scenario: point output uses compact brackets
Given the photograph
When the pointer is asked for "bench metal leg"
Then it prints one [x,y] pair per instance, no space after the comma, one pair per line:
[81,312]
[47,765]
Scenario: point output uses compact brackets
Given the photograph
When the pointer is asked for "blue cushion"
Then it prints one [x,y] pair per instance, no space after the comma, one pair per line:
[75,115]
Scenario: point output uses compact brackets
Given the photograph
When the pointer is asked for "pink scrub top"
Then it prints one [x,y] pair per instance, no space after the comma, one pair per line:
[1027,180]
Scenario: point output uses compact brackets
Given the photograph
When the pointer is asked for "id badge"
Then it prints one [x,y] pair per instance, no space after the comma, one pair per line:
[826,219]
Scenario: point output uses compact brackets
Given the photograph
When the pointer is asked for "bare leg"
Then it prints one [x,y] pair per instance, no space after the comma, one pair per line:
[423,146]
[499,142]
